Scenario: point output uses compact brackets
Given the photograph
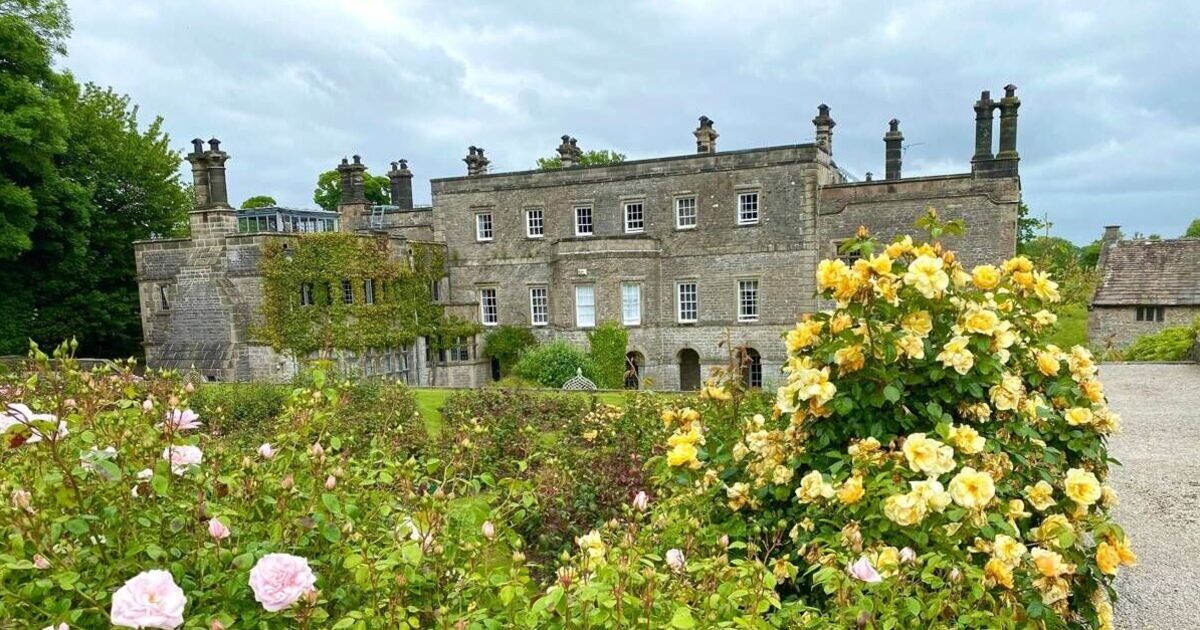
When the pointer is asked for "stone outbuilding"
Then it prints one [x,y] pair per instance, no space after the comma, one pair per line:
[1145,286]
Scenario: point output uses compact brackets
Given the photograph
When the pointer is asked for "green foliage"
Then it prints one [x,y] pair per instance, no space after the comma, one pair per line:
[1071,327]
[606,350]
[245,410]
[403,309]
[1193,229]
[589,158]
[1168,344]
[506,343]
[79,182]
[1027,227]
[328,192]
[553,364]
[259,201]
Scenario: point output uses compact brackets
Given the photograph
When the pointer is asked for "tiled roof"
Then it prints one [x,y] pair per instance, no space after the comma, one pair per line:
[1146,272]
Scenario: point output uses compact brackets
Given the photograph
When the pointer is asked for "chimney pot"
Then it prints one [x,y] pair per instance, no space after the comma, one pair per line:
[400,180]
[893,144]
[358,159]
[214,144]
[1008,127]
[824,124]
[706,136]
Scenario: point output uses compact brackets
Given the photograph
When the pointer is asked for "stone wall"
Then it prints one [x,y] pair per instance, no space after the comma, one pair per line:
[1117,326]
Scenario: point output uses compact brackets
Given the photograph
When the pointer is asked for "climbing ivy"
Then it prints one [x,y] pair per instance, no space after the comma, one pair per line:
[316,265]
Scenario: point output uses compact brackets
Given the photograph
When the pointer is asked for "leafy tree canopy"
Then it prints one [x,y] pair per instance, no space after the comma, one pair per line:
[589,158]
[1027,227]
[1193,230]
[329,189]
[48,19]
[259,201]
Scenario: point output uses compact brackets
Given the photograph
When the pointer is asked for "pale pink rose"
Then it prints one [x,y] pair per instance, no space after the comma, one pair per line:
[724,540]
[145,474]
[216,625]
[61,626]
[189,388]
[183,457]
[287,482]
[316,450]
[489,530]
[330,482]
[676,560]
[907,555]
[151,599]
[22,500]
[641,501]
[147,405]
[40,562]
[17,414]
[265,451]
[182,420]
[280,580]
[217,529]
[862,570]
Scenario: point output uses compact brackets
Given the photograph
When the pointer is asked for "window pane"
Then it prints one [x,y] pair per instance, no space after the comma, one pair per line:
[687,302]
[488,311]
[631,304]
[635,219]
[369,291]
[583,221]
[347,292]
[748,208]
[483,227]
[534,223]
[747,300]
[685,212]
[539,306]
[585,306]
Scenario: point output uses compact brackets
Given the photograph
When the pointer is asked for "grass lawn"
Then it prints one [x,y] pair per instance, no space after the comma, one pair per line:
[1071,328]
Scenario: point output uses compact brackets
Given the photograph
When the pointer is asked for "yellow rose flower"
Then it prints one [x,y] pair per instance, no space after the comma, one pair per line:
[911,346]
[899,248]
[683,455]
[1044,287]
[981,322]
[904,509]
[830,272]
[668,417]
[927,455]
[956,355]
[1128,558]
[1040,495]
[1076,416]
[1047,363]
[805,334]
[812,487]
[998,573]
[966,439]
[1008,549]
[738,495]
[1050,563]
[839,322]
[985,277]
[849,359]
[926,274]
[972,489]
[1082,486]
[1018,263]
[918,323]
[1050,529]
[1108,497]
[593,546]
[932,493]
[1107,558]
[1044,318]
[881,264]
[851,491]
[886,561]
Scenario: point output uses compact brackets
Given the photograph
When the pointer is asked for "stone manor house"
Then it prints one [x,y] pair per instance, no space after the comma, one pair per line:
[681,250]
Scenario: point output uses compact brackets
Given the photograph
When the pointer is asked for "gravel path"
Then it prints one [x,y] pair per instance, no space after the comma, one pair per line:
[1159,489]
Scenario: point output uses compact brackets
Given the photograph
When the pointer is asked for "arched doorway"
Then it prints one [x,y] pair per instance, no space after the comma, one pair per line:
[689,369]
[634,362]
[752,369]
[495,369]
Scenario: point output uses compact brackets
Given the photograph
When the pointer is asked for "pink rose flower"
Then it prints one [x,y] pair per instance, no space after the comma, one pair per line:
[676,560]
[488,530]
[182,420]
[641,501]
[17,414]
[151,599]
[217,529]
[265,451]
[147,405]
[862,570]
[182,457]
[279,580]
[61,626]
[907,555]
[330,482]
[40,562]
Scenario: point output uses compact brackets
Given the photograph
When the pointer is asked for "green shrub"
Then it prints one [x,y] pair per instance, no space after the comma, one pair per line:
[1168,344]
[241,410]
[553,364]
[606,349]
[506,344]
[515,382]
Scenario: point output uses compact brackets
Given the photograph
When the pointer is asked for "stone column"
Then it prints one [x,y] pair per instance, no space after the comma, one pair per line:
[983,126]
[824,124]
[477,164]
[893,143]
[566,153]
[706,136]
[1008,123]
[400,179]
[217,194]
[199,162]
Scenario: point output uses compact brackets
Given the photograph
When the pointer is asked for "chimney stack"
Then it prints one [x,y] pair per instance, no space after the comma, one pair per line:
[217,193]
[477,164]
[1112,234]
[199,162]
[893,142]
[824,124]
[983,126]
[1008,124]
[566,152]
[351,180]
[400,179]
[706,136]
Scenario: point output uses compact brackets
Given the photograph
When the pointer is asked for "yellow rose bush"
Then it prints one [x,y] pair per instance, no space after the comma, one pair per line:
[930,462]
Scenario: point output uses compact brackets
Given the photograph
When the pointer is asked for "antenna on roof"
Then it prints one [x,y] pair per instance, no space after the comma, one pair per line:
[904,148]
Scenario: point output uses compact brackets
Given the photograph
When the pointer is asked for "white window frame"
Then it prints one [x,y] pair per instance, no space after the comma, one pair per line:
[540,215]
[306,294]
[580,320]
[742,198]
[591,216]
[632,225]
[626,318]
[489,314]
[695,302]
[480,235]
[743,313]
[369,291]
[679,225]
[539,306]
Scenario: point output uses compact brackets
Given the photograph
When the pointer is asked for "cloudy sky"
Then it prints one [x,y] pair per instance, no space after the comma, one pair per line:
[1110,91]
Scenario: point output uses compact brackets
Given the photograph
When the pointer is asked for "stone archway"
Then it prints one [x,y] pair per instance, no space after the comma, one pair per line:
[635,362]
[689,370]
[752,367]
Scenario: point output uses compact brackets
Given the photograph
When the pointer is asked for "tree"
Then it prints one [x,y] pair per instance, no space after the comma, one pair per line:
[259,201]
[1193,230]
[49,20]
[589,158]
[329,189]
[506,343]
[1027,227]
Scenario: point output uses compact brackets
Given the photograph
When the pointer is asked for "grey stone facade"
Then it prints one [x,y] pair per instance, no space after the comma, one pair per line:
[1145,286]
[723,221]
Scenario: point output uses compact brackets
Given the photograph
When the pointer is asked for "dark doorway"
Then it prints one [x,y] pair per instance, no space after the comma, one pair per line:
[689,369]
[752,372]
[495,369]
[633,370]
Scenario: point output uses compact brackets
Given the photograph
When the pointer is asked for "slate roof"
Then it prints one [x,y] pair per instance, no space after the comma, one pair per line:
[1165,272]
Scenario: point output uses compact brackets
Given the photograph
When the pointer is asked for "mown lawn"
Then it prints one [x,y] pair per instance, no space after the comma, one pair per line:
[1071,328]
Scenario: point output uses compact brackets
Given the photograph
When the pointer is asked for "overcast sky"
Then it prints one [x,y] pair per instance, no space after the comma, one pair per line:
[1109,129]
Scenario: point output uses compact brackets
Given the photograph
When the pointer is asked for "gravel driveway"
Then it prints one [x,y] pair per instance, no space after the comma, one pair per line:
[1159,489]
